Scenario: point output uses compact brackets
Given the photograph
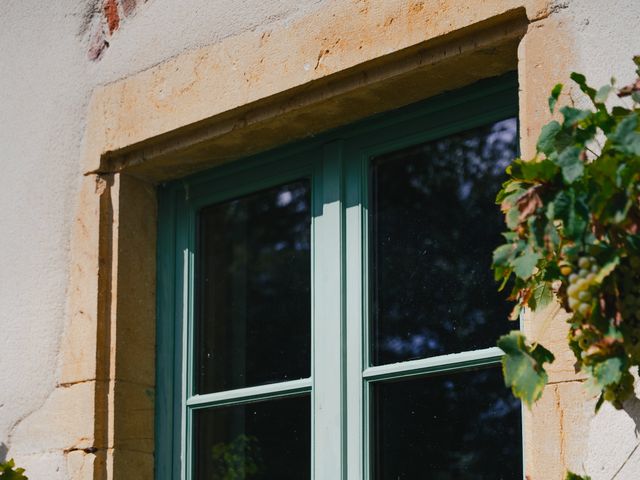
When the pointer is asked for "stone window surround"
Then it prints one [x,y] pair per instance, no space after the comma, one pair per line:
[207,107]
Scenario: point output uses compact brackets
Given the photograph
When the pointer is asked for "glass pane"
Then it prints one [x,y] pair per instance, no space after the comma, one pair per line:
[458,426]
[263,440]
[433,227]
[254,273]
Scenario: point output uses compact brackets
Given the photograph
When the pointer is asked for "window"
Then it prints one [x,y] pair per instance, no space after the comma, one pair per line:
[327,311]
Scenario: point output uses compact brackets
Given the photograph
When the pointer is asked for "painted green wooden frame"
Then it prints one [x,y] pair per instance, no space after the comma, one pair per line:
[337,163]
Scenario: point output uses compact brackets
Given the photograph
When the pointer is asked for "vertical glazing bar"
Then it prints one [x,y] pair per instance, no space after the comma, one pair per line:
[165,414]
[328,366]
[354,312]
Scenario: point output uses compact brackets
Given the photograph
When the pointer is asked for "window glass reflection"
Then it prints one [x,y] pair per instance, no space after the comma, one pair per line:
[256,441]
[433,225]
[459,426]
[254,275]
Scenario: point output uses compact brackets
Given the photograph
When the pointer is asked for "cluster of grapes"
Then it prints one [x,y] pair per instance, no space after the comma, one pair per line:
[580,282]
[630,286]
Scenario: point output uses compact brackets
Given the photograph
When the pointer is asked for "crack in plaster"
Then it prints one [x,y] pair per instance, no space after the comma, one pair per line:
[625,462]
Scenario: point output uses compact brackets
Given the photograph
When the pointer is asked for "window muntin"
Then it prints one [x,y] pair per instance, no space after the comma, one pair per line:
[343,380]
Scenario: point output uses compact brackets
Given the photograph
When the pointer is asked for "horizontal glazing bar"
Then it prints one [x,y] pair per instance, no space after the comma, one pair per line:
[250,394]
[441,363]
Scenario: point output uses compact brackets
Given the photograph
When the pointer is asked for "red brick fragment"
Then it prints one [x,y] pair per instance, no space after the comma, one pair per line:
[111,14]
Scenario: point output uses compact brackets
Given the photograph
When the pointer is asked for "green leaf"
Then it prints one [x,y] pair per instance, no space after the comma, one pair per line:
[606,270]
[523,367]
[541,296]
[571,164]
[513,218]
[503,254]
[7,471]
[625,137]
[573,116]
[606,373]
[546,140]
[572,212]
[539,170]
[603,94]
[555,94]
[525,264]
[581,80]
[575,476]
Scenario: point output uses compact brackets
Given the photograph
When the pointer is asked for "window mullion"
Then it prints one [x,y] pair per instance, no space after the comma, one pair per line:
[355,278]
[328,321]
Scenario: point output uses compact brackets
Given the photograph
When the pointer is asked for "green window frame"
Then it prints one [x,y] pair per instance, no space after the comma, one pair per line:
[341,376]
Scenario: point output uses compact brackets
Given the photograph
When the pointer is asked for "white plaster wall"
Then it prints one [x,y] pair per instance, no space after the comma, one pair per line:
[45,82]
[606,37]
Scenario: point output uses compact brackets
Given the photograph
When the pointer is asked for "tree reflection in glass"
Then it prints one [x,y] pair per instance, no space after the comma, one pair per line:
[255,441]
[253,286]
[433,225]
[460,426]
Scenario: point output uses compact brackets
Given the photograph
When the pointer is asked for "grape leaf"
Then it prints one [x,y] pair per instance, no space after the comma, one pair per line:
[7,471]
[605,373]
[625,137]
[571,164]
[541,296]
[581,80]
[575,476]
[555,94]
[523,367]
[606,270]
[603,94]
[525,264]
[573,116]
[546,140]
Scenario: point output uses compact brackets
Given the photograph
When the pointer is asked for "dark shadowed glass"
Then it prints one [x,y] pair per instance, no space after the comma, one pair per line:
[256,441]
[433,226]
[253,286]
[459,426]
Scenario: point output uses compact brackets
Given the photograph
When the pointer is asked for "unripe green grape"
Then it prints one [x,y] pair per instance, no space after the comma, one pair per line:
[583,273]
[595,268]
[583,262]
[582,285]
[572,291]
[609,395]
[584,296]
[573,303]
[573,278]
[583,309]
[591,277]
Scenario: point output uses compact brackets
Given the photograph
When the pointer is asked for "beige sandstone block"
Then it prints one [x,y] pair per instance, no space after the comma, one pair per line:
[555,430]
[130,464]
[538,72]
[78,349]
[133,427]
[549,327]
[220,78]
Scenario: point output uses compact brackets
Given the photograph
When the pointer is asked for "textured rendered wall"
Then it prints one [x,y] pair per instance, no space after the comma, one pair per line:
[52,57]
[47,74]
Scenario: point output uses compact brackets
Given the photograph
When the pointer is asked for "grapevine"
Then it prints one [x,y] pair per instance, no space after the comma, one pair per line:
[573,213]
